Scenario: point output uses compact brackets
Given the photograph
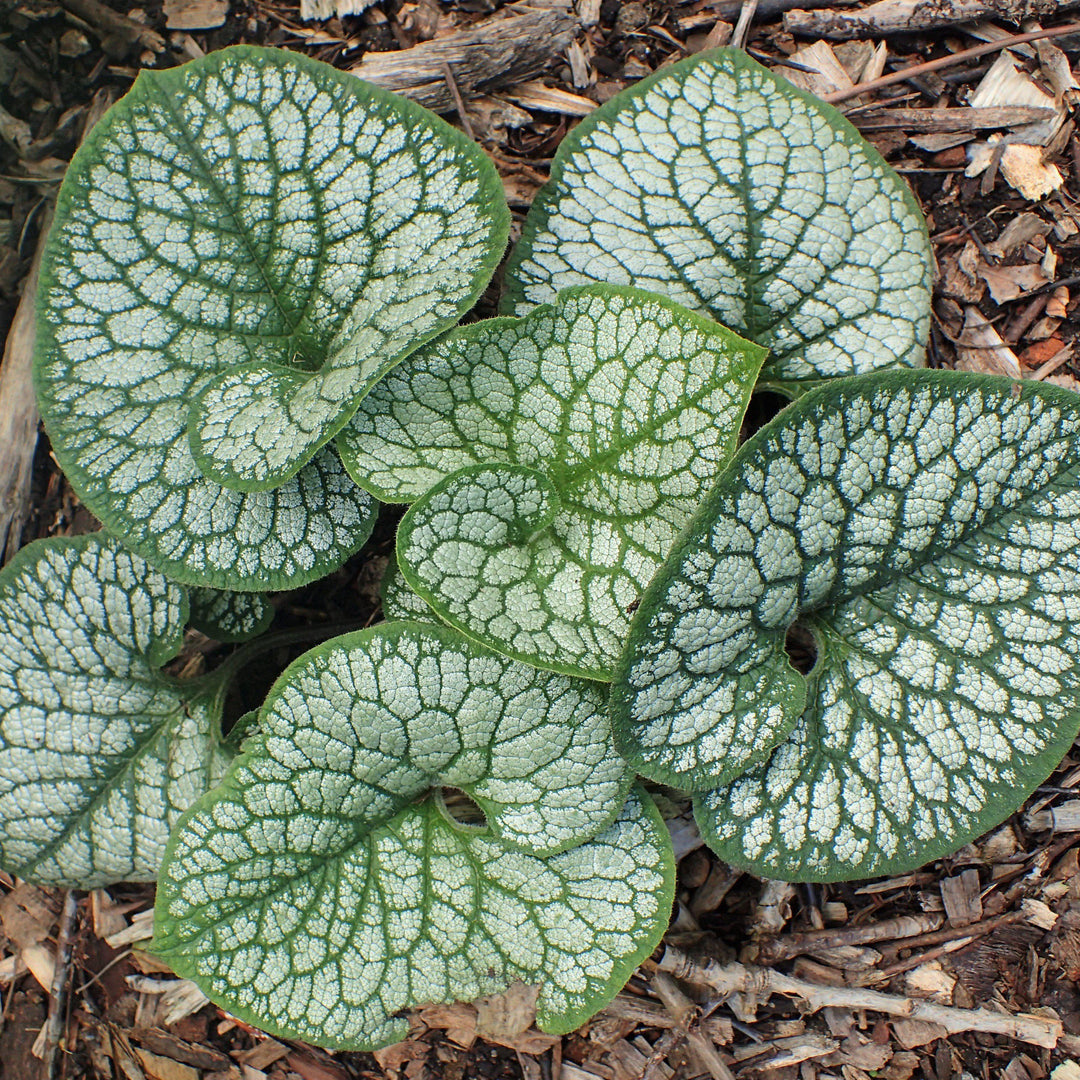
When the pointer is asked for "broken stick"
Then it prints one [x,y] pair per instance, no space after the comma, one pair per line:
[904,16]
[727,979]
[507,48]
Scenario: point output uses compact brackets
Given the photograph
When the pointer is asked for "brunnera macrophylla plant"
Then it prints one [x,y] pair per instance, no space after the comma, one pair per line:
[255,256]
[100,751]
[241,248]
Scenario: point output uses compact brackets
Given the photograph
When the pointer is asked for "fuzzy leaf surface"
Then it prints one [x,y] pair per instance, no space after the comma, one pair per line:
[100,752]
[241,248]
[724,187]
[925,529]
[317,891]
[567,449]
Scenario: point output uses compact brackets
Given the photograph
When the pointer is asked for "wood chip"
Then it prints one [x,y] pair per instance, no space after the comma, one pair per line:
[41,963]
[912,1033]
[141,929]
[168,1045]
[1038,914]
[327,9]
[195,14]
[931,981]
[1062,818]
[505,49]
[505,1015]
[827,72]
[163,1068]
[27,914]
[1005,84]
[1057,307]
[262,1054]
[1008,282]
[535,95]
[1019,231]
[980,348]
[960,894]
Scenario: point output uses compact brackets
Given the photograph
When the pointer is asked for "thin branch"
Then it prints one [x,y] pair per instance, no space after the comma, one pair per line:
[906,926]
[728,979]
[742,27]
[948,61]
[57,992]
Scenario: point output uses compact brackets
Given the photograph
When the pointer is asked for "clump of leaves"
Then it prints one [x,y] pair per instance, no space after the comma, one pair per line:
[242,247]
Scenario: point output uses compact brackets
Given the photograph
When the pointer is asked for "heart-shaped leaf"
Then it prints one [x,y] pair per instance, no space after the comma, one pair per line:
[242,246]
[99,751]
[317,891]
[728,189]
[229,616]
[567,450]
[924,528]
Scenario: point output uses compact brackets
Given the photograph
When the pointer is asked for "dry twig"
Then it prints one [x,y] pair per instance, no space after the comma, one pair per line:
[949,61]
[906,926]
[58,991]
[728,979]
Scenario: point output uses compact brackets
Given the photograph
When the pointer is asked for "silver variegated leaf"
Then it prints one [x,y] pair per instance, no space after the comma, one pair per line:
[399,601]
[925,529]
[100,752]
[324,885]
[567,449]
[229,616]
[728,189]
[241,248]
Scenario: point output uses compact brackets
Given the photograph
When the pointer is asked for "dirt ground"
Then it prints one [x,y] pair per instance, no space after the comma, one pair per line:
[994,929]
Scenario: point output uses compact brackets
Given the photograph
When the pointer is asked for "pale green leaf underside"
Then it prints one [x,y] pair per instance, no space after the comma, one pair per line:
[926,528]
[568,450]
[99,752]
[316,892]
[724,187]
[229,616]
[241,248]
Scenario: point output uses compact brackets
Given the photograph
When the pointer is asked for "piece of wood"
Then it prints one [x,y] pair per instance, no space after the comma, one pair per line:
[790,945]
[727,979]
[962,899]
[18,412]
[328,9]
[535,95]
[118,34]
[904,16]
[961,118]
[980,348]
[505,49]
